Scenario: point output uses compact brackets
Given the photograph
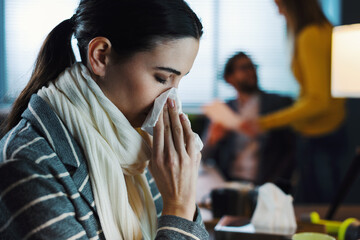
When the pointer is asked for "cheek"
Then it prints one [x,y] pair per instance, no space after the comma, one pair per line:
[139,96]
[144,94]
[240,75]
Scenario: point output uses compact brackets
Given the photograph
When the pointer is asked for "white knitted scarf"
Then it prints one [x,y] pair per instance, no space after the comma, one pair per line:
[116,154]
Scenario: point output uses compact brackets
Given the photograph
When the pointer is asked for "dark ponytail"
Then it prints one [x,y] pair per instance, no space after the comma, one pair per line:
[131,26]
[55,55]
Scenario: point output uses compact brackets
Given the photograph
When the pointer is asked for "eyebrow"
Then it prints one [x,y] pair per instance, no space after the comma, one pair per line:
[168,69]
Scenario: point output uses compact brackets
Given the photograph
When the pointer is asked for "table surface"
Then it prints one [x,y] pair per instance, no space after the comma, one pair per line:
[209,179]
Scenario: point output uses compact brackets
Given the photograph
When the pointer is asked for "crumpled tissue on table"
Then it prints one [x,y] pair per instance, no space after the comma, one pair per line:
[154,114]
[274,212]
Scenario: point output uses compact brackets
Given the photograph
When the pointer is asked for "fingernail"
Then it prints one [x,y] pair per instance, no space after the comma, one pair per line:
[183,117]
[172,103]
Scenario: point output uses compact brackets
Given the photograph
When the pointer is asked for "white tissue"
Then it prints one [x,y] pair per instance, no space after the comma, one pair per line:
[154,114]
[274,212]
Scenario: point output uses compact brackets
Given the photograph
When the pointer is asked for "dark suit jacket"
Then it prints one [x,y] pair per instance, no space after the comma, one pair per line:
[277,147]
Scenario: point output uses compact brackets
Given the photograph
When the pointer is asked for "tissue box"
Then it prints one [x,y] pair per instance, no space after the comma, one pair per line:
[231,227]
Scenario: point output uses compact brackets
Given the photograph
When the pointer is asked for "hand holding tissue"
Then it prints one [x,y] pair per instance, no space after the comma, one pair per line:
[154,114]
[274,212]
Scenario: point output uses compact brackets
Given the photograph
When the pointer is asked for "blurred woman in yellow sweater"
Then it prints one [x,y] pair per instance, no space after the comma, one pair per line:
[315,115]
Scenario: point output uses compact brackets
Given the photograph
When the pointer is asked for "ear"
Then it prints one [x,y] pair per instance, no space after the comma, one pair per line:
[99,50]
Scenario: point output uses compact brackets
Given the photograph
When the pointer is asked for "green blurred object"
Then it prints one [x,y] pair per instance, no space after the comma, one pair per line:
[346,230]
[332,227]
[312,236]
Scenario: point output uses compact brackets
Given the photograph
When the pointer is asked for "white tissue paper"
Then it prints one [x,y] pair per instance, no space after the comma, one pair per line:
[154,114]
[274,212]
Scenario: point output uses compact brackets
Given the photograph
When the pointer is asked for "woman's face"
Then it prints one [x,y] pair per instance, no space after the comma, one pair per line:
[133,85]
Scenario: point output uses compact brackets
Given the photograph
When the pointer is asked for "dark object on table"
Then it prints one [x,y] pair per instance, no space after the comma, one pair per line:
[350,177]
[233,202]
[353,231]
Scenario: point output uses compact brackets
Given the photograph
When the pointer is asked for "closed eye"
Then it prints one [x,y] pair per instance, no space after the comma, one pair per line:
[160,80]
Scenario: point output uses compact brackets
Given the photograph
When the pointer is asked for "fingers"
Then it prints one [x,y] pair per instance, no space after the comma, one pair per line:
[168,136]
[177,130]
[188,135]
[198,159]
[158,142]
[173,134]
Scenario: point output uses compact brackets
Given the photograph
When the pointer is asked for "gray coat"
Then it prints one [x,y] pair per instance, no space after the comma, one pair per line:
[45,189]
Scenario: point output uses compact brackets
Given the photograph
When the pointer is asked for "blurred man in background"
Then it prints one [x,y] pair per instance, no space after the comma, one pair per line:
[267,157]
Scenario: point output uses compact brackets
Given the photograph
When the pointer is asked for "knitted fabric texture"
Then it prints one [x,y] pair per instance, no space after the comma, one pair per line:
[117,155]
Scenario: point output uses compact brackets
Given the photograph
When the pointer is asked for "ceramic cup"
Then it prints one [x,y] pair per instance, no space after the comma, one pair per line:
[311,236]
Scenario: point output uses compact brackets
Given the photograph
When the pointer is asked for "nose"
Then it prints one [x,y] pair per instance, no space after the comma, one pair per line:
[175,84]
[172,86]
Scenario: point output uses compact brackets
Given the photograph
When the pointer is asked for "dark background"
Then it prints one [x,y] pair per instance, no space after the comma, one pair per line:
[351,14]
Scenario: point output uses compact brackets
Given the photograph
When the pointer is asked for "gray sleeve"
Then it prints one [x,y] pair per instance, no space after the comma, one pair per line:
[33,205]
[173,227]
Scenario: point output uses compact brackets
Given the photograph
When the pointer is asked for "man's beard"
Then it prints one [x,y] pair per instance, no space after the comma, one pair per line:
[247,88]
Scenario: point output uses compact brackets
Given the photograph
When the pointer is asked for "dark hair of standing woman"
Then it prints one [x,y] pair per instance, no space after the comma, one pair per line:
[302,13]
[131,26]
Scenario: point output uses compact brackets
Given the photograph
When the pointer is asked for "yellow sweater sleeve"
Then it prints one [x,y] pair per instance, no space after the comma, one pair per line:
[313,58]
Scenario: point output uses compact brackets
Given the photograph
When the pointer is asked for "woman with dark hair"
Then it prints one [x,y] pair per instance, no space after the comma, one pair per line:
[74,161]
[316,115]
